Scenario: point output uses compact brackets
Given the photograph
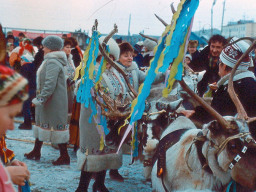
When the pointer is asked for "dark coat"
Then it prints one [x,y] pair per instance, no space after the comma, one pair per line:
[76,57]
[245,89]
[28,71]
[195,55]
[205,62]
[39,57]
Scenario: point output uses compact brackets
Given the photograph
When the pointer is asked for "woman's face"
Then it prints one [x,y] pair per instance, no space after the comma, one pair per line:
[7,114]
[126,58]
[67,49]
[46,50]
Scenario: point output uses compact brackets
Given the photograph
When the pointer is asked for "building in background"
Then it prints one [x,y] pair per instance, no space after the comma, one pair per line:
[242,28]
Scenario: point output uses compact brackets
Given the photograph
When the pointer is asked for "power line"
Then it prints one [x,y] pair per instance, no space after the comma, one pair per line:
[99,9]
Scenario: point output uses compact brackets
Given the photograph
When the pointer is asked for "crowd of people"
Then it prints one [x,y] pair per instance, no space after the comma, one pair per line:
[47,95]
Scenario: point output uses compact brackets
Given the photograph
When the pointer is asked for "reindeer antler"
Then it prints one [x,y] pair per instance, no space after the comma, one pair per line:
[113,64]
[240,109]
[172,7]
[106,39]
[206,106]
[148,37]
[114,106]
[160,19]
[2,45]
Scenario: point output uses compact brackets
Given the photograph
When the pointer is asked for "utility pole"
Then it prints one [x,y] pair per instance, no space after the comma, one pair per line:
[224,2]
[129,34]
[214,1]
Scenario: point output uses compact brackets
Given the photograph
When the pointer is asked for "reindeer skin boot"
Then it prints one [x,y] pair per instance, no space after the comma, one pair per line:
[36,152]
[115,175]
[64,158]
[99,185]
[84,182]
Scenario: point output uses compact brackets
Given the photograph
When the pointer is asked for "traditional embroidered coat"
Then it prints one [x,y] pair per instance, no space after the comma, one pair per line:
[52,107]
[89,157]
[136,76]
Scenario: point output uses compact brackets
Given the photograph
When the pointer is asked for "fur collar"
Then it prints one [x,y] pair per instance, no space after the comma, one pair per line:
[132,67]
[58,55]
[239,74]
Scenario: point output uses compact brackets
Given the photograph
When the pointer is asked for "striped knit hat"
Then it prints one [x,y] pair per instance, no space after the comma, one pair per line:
[13,87]
[231,54]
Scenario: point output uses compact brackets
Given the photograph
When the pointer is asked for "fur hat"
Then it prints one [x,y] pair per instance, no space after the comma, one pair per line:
[13,87]
[231,54]
[193,43]
[27,58]
[149,44]
[113,47]
[53,42]
[124,47]
[188,56]
[140,43]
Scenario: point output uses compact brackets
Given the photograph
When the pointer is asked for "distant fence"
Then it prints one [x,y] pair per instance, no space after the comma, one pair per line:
[6,29]
[33,33]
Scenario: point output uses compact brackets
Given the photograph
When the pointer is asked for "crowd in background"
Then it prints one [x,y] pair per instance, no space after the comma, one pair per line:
[49,66]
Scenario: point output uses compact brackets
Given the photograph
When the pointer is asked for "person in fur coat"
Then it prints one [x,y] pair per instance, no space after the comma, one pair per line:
[92,160]
[51,101]
[244,85]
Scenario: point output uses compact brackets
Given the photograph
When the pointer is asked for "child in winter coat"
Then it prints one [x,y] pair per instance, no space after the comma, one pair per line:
[13,92]
[28,70]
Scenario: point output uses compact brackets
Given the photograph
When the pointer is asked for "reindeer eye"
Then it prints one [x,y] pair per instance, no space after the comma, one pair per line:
[234,145]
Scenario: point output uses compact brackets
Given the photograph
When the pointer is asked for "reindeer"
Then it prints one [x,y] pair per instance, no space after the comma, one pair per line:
[210,158]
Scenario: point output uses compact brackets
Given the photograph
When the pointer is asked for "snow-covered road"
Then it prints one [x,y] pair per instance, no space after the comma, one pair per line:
[48,178]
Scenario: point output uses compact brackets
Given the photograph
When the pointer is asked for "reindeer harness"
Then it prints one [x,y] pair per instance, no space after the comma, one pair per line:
[200,139]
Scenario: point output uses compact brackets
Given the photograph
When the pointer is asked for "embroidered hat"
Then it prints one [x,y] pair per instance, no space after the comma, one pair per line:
[27,58]
[149,44]
[232,53]
[53,42]
[113,47]
[13,87]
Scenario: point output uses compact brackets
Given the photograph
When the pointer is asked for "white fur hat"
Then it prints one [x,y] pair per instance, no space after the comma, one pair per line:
[188,56]
[113,47]
[149,44]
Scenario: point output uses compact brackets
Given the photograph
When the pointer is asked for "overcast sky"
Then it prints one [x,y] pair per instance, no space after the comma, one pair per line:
[70,15]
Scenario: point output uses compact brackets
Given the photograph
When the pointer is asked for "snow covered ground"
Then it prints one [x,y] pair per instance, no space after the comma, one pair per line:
[48,178]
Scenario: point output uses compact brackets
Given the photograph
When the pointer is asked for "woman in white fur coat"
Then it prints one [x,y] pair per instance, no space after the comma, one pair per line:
[135,76]
[51,101]
[91,160]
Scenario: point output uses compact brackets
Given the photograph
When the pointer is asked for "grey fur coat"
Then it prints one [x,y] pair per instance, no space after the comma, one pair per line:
[51,100]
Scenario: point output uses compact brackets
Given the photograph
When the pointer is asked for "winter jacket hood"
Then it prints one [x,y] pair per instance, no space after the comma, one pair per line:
[58,55]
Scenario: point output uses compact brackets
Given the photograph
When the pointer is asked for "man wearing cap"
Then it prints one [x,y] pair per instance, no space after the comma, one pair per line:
[244,84]
[149,51]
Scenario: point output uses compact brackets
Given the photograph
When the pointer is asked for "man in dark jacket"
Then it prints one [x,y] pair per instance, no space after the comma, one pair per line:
[207,60]
[244,85]
[39,57]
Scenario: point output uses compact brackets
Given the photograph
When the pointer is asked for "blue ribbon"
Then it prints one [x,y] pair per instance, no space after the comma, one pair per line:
[179,33]
[231,183]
